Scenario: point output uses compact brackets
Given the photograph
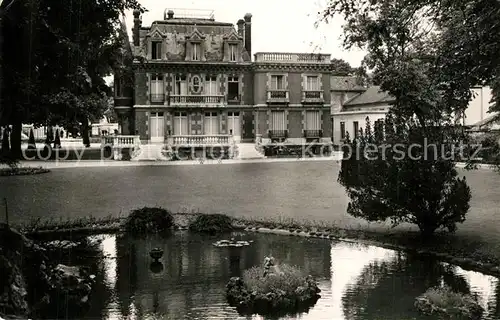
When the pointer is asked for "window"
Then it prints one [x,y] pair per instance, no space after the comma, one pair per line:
[277,82]
[211,85]
[313,120]
[211,123]
[180,123]
[180,87]
[278,120]
[156,88]
[356,129]
[233,88]
[342,130]
[232,52]
[196,51]
[312,83]
[156,50]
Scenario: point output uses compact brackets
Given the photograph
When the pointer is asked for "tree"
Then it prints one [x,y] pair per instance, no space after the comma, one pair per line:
[341,67]
[53,68]
[387,179]
[414,54]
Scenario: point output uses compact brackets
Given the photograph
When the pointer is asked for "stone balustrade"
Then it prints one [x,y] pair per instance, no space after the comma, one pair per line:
[201,140]
[120,141]
[281,57]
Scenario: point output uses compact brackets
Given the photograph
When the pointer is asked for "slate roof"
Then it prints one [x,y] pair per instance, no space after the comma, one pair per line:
[371,95]
[492,118]
[345,83]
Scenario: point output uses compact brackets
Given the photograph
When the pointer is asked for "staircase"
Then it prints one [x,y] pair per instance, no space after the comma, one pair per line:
[248,151]
[150,152]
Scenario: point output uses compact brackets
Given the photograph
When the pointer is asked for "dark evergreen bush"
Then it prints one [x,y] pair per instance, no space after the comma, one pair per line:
[211,224]
[31,141]
[57,140]
[5,142]
[148,220]
[386,179]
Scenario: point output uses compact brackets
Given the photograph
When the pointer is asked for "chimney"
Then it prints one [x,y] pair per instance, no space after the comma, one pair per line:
[137,27]
[241,29]
[248,33]
[170,14]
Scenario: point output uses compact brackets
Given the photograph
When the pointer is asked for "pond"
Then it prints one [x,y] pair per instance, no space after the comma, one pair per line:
[357,281]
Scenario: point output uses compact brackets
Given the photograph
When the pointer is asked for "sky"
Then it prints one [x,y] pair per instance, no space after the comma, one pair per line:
[277,25]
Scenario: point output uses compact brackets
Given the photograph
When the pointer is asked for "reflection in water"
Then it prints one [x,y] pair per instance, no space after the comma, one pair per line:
[357,281]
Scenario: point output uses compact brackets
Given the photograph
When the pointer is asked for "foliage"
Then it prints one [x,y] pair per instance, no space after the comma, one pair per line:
[211,223]
[148,220]
[288,280]
[419,47]
[386,178]
[288,291]
[444,302]
[341,67]
[54,68]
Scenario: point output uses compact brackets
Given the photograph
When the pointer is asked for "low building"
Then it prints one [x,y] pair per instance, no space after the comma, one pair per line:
[350,116]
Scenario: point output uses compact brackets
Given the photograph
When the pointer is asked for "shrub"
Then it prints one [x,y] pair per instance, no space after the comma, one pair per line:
[444,302]
[211,223]
[148,220]
[57,140]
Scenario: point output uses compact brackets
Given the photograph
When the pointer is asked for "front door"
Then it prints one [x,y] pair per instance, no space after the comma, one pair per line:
[233,123]
[156,126]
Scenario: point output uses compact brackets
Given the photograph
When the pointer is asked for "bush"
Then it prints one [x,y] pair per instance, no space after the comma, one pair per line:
[444,302]
[148,220]
[287,291]
[400,183]
[212,224]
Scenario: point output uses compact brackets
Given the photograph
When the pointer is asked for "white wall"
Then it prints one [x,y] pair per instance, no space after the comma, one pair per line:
[478,106]
[350,117]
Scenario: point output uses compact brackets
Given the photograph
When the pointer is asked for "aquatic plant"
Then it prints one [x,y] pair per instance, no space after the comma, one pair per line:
[448,304]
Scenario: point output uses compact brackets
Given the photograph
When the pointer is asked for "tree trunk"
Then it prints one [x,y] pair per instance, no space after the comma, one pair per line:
[15,140]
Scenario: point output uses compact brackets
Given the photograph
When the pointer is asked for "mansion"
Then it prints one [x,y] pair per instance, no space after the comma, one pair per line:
[194,76]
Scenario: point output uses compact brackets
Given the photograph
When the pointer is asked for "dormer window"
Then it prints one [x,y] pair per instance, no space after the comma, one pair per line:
[233,52]
[195,51]
[156,50]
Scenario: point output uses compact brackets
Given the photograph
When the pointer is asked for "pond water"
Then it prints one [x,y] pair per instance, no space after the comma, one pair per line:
[357,281]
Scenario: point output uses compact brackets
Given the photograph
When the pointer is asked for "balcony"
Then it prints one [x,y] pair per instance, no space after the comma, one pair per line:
[315,96]
[157,98]
[278,135]
[120,141]
[278,96]
[313,134]
[177,100]
[280,57]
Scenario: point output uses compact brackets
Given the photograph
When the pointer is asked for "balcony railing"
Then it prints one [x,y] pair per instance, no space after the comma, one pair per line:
[281,57]
[201,140]
[120,141]
[201,99]
[278,96]
[313,133]
[278,135]
[313,96]
[157,97]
